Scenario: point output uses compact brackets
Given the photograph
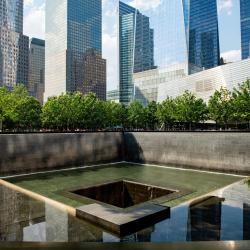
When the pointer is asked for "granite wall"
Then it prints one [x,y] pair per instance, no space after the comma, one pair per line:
[25,153]
[227,152]
[22,153]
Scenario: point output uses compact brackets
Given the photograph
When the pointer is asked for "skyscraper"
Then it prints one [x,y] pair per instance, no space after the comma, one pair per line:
[202,32]
[136,48]
[36,68]
[245,28]
[73,28]
[14,46]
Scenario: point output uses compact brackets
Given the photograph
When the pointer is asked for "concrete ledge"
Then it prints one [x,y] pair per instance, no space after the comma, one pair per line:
[221,245]
[123,222]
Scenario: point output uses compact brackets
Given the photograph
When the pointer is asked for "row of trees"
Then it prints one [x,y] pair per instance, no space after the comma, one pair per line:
[73,111]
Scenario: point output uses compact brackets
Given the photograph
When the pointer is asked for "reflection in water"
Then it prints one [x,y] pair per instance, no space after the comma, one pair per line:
[224,218]
[246,221]
[204,220]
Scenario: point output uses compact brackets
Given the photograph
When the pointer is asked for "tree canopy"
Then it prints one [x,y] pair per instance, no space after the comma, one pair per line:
[76,111]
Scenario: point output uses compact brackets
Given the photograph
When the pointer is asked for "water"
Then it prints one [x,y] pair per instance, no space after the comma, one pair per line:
[223,216]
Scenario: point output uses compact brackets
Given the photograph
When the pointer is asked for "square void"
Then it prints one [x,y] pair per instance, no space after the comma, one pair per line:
[123,194]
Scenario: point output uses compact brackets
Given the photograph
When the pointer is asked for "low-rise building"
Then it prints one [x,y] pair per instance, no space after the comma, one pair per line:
[203,84]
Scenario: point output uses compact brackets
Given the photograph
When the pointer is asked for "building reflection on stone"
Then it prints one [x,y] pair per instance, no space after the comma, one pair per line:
[25,219]
[204,220]
[246,221]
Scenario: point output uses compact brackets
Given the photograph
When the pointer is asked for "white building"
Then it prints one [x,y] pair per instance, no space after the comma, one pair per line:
[205,83]
[157,85]
[146,83]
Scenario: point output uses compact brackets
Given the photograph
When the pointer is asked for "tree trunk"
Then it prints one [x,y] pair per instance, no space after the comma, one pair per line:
[1,126]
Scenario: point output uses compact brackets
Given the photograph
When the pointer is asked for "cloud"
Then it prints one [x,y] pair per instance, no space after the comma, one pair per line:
[146,4]
[225,5]
[34,19]
[28,3]
[232,55]
[110,52]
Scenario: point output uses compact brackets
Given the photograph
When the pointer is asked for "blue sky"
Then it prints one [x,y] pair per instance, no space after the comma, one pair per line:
[229,22]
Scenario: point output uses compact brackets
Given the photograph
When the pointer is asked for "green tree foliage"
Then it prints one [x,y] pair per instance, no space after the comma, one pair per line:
[190,109]
[150,115]
[18,109]
[27,113]
[241,102]
[136,115]
[116,115]
[166,113]
[220,106]
[3,99]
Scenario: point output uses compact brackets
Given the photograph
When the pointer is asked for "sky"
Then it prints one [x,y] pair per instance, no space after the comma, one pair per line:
[229,27]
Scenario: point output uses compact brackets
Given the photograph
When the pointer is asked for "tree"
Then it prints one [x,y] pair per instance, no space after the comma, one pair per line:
[220,106]
[115,114]
[3,95]
[190,109]
[27,113]
[136,115]
[92,112]
[150,115]
[241,102]
[166,113]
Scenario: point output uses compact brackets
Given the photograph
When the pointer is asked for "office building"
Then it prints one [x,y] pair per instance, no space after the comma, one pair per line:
[203,84]
[185,31]
[73,28]
[37,68]
[202,32]
[14,46]
[245,28]
[147,83]
[113,95]
[136,48]
[93,70]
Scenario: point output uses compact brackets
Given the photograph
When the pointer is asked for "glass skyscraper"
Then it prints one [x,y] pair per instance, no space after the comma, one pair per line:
[14,46]
[186,31]
[202,32]
[73,35]
[136,48]
[37,68]
[245,28]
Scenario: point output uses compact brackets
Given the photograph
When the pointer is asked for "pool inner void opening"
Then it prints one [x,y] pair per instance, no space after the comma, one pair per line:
[123,194]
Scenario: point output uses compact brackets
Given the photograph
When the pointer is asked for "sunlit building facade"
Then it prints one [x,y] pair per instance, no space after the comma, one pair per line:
[185,31]
[14,46]
[136,48]
[73,28]
[203,84]
[245,28]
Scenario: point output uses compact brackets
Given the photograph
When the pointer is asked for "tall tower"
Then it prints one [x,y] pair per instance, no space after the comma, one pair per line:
[14,46]
[245,28]
[37,68]
[73,34]
[136,48]
[202,32]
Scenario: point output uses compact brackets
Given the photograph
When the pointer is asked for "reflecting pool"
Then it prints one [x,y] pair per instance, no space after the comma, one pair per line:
[223,215]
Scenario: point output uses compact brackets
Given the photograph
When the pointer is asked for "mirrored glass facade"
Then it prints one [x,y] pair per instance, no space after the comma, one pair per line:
[11,15]
[204,49]
[73,29]
[245,28]
[14,46]
[37,68]
[136,48]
